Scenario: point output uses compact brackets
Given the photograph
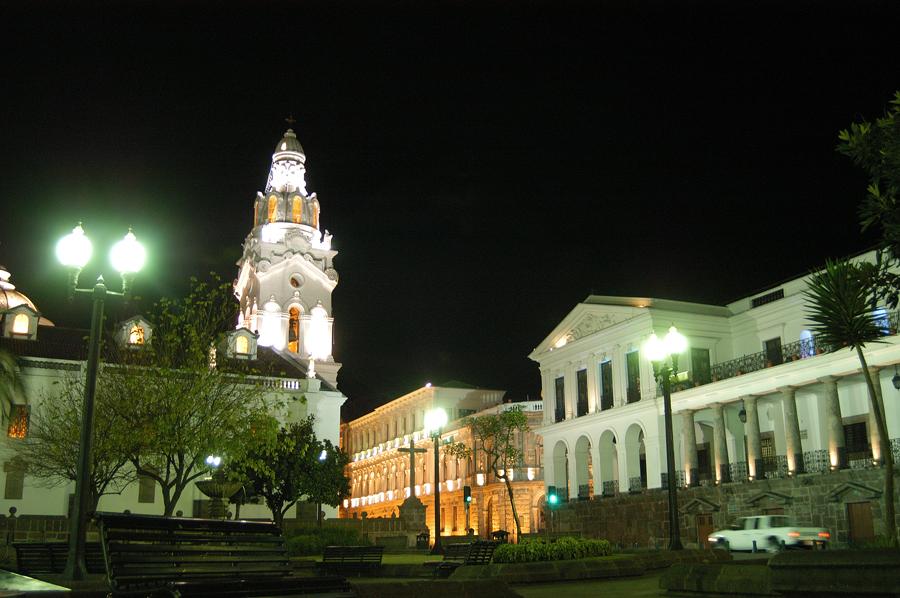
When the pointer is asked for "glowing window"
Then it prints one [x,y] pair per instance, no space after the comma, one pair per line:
[297,210]
[294,330]
[20,324]
[18,422]
[273,208]
[242,345]
[136,335]
[315,215]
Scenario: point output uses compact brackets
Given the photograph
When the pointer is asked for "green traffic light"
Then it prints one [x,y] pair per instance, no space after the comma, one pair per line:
[553,499]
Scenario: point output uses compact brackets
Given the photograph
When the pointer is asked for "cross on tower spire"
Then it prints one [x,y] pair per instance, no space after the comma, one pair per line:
[290,120]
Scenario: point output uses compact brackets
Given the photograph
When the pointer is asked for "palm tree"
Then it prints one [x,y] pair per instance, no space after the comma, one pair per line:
[839,302]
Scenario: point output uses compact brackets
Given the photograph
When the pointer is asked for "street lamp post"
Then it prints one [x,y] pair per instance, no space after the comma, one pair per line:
[659,351]
[435,420]
[127,256]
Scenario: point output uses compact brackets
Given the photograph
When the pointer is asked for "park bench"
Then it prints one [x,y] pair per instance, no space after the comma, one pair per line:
[152,555]
[36,558]
[352,559]
[478,552]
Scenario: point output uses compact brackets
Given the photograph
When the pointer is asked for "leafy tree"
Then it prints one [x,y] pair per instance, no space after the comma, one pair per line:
[327,484]
[876,148]
[178,406]
[495,437]
[285,471]
[50,451]
[839,302]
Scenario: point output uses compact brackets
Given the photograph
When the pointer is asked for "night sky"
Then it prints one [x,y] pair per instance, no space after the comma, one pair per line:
[482,166]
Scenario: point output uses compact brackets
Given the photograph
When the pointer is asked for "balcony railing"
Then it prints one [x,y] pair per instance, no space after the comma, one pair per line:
[560,414]
[611,488]
[774,467]
[633,394]
[582,407]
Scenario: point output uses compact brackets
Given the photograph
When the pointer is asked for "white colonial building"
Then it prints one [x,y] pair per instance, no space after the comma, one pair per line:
[287,265]
[758,396]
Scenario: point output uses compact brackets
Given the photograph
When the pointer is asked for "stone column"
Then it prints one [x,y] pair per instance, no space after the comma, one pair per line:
[721,448]
[793,446]
[874,436]
[572,474]
[754,450]
[837,445]
[689,448]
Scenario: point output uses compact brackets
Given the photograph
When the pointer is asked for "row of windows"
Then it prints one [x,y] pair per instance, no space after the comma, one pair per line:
[296,211]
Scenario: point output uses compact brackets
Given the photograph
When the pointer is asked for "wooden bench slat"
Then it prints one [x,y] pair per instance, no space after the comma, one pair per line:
[202,557]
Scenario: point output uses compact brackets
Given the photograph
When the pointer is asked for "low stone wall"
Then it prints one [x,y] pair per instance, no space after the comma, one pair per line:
[434,589]
[719,579]
[641,520]
[837,573]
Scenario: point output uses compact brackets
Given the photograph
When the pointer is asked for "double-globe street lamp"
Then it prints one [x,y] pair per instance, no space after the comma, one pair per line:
[435,420]
[127,257]
[664,356]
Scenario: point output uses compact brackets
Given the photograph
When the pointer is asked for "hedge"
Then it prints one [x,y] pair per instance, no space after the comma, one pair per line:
[312,541]
[563,549]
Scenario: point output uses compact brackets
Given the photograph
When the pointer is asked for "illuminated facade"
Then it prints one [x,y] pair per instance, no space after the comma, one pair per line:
[286,274]
[379,471]
[758,395]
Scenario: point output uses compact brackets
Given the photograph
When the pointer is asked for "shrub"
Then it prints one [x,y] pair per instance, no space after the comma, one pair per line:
[312,541]
[563,549]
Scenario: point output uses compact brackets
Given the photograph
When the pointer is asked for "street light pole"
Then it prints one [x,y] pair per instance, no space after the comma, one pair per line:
[435,420]
[75,565]
[659,352]
[127,257]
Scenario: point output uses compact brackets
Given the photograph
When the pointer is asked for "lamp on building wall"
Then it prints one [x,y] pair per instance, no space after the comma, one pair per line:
[664,356]
[896,379]
[435,420]
[742,414]
[127,257]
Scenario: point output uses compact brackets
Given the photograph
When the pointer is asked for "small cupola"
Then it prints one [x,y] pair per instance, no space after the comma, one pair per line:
[21,321]
[134,333]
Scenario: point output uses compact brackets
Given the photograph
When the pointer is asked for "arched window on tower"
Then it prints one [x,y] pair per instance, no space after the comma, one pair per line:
[273,208]
[297,210]
[294,330]
[20,324]
[315,214]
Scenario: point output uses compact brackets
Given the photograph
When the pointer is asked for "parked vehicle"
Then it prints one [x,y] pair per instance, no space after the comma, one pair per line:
[769,533]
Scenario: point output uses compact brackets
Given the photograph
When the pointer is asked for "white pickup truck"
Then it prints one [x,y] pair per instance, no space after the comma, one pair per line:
[770,533]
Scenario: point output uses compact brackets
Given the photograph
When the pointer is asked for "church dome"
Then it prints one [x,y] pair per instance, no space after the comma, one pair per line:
[289,143]
[11,298]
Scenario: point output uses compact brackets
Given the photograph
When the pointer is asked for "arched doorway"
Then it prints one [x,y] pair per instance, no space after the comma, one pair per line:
[584,468]
[636,458]
[609,463]
[561,469]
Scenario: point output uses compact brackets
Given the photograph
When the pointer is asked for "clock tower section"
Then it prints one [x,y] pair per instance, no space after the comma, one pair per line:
[286,274]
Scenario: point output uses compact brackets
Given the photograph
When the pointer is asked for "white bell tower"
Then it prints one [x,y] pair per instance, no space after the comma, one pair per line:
[286,274]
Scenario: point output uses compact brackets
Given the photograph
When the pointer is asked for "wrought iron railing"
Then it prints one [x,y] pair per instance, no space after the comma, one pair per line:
[816,461]
[611,488]
[582,407]
[774,467]
[738,472]
[793,351]
[680,480]
[584,491]
[635,485]
[633,394]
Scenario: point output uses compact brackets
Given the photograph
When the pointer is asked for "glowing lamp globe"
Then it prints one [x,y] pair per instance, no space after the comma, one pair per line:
[128,256]
[654,349]
[74,250]
[675,342]
[435,419]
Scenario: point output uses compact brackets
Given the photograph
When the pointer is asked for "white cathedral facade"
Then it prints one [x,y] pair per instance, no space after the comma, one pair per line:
[286,277]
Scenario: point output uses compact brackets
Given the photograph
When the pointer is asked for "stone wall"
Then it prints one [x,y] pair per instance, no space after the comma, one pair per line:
[39,528]
[641,520]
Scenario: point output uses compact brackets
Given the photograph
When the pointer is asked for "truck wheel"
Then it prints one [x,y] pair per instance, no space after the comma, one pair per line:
[774,545]
[722,544]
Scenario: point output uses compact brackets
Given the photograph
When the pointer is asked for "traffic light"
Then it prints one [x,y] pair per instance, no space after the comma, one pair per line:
[552,497]
[467,495]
